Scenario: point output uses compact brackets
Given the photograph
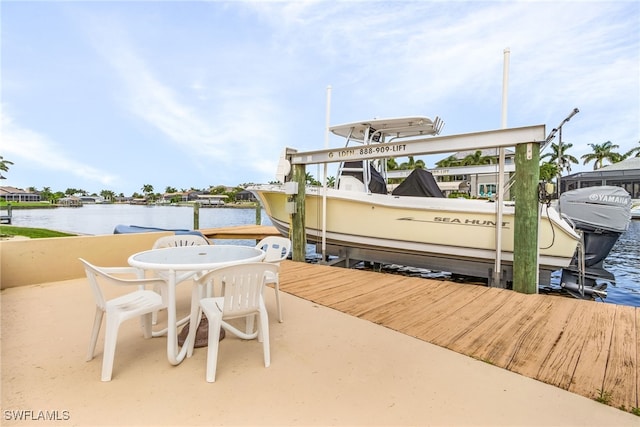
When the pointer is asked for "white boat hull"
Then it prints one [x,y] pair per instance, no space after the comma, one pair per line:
[454,229]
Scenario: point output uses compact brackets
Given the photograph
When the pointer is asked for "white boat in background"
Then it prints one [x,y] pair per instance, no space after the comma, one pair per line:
[415,225]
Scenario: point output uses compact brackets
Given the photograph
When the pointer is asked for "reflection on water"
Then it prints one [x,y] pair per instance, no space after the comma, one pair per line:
[623,262]
[102,219]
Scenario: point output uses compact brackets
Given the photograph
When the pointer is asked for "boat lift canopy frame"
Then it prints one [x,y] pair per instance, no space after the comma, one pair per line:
[432,145]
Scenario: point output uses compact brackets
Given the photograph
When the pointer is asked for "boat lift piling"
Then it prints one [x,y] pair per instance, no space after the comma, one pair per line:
[298,234]
[525,247]
[527,141]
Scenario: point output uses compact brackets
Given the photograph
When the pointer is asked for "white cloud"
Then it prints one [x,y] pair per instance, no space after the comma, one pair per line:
[236,125]
[36,149]
[217,90]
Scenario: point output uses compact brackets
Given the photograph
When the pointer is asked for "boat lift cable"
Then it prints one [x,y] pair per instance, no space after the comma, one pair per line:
[553,228]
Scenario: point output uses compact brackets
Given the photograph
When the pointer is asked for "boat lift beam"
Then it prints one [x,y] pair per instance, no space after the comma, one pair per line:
[431,145]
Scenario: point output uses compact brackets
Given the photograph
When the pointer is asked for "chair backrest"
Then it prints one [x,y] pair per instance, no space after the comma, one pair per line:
[180,240]
[241,286]
[95,273]
[276,248]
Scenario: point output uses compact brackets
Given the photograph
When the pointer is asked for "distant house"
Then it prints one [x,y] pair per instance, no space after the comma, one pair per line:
[70,202]
[246,196]
[625,174]
[12,194]
[92,199]
[182,196]
[211,199]
[125,199]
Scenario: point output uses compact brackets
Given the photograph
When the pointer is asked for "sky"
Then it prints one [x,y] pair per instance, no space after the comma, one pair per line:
[116,95]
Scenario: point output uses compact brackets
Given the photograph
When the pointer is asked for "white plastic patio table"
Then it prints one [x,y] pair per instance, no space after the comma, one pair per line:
[194,259]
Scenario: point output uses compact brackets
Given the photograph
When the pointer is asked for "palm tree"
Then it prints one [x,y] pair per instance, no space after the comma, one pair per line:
[108,195]
[412,164]
[309,179]
[635,150]
[392,164]
[476,158]
[448,162]
[602,152]
[565,160]
[331,181]
[4,166]
[46,194]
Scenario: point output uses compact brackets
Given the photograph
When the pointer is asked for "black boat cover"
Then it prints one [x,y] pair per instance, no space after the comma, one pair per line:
[419,183]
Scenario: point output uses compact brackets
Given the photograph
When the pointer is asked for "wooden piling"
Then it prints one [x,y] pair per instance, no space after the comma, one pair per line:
[196,215]
[525,245]
[258,213]
[298,232]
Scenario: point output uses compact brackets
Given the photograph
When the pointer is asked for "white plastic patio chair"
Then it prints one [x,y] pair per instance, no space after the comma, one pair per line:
[139,303]
[276,249]
[177,240]
[180,240]
[242,287]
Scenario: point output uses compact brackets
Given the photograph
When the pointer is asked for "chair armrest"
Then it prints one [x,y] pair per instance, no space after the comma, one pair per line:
[124,270]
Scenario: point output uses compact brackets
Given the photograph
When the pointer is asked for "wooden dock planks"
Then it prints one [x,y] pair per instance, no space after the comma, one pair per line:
[580,346]
[621,375]
[256,232]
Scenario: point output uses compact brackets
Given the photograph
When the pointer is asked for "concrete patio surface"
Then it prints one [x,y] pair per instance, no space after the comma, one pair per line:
[327,368]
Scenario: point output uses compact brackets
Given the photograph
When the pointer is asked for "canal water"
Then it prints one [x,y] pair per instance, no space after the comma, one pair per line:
[623,261]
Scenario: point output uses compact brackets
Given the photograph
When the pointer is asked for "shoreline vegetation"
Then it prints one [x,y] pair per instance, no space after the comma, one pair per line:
[11,232]
[46,205]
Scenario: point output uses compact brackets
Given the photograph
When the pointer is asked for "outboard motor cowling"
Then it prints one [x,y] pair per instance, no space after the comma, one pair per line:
[602,214]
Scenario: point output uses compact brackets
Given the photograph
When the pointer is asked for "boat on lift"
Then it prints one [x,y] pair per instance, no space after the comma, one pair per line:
[413,225]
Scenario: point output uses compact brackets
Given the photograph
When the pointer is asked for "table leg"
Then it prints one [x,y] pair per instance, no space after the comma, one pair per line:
[175,354]
[195,319]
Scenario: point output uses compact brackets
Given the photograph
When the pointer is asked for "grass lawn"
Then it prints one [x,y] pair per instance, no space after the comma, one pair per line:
[33,233]
[25,205]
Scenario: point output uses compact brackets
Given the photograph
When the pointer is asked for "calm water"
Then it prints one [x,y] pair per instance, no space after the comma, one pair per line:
[102,219]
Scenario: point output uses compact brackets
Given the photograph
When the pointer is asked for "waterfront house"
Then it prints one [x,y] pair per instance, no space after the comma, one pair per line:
[13,194]
[625,174]
[70,202]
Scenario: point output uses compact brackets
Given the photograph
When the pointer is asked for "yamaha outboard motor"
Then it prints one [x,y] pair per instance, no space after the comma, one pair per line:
[602,214]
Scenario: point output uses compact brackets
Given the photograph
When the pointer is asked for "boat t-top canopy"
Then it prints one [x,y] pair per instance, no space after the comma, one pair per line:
[400,127]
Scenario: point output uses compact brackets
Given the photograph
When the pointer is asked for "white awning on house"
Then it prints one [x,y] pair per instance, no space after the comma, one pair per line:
[454,186]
